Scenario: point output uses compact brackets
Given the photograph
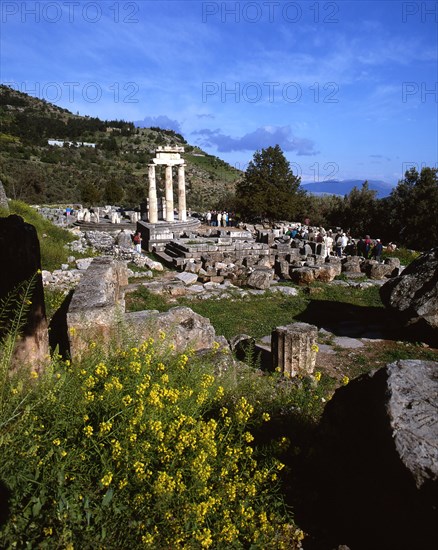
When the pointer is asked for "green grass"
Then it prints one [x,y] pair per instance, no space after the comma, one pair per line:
[405,351]
[368,297]
[255,315]
[143,299]
[403,254]
[53,299]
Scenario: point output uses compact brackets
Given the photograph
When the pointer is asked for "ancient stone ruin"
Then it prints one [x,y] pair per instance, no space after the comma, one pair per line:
[97,314]
[169,157]
[294,349]
[20,253]
[221,254]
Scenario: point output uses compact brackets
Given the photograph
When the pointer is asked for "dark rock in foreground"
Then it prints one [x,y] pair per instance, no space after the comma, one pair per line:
[374,471]
[21,263]
[413,296]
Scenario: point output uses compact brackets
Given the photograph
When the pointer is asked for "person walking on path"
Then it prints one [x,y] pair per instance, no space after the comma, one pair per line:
[137,242]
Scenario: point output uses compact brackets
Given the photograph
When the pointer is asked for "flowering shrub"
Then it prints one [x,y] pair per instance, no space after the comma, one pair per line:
[139,448]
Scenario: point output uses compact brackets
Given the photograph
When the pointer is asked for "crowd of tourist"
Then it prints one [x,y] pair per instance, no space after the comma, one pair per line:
[338,242]
[217,218]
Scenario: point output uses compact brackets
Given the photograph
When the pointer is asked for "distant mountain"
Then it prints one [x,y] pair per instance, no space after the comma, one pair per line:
[343,187]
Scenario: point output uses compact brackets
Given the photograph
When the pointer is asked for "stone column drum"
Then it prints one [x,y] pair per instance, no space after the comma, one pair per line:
[153,203]
[169,195]
[294,348]
[182,208]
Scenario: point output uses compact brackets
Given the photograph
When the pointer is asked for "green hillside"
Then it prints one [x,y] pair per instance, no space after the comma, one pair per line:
[114,171]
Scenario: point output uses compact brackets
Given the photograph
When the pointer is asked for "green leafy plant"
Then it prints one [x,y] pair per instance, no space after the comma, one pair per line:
[138,447]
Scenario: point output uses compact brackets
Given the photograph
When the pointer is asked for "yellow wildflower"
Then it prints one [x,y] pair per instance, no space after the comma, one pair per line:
[105,427]
[127,400]
[88,430]
[106,480]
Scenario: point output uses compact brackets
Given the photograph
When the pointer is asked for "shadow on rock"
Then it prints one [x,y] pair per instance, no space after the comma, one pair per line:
[5,495]
[350,320]
[352,486]
[58,329]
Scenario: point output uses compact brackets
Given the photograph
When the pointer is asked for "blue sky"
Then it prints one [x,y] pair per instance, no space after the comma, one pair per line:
[348,89]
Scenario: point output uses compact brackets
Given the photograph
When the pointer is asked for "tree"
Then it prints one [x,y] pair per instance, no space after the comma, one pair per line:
[324,210]
[358,211]
[90,194]
[412,209]
[269,189]
[113,193]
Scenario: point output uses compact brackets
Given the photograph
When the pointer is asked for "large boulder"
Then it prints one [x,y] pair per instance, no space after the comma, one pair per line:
[282,269]
[96,313]
[124,239]
[187,278]
[260,278]
[413,295]
[21,269]
[180,325]
[395,265]
[351,264]
[97,304]
[302,275]
[413,390]
[377,271]
[327,272]
[374,466]
[100,240]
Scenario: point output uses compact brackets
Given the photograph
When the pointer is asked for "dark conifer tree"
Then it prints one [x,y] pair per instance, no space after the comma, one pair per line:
[269,189]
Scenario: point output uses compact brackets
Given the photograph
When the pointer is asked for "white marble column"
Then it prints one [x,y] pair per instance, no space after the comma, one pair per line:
[153,207]
[169,195]
[182,209]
